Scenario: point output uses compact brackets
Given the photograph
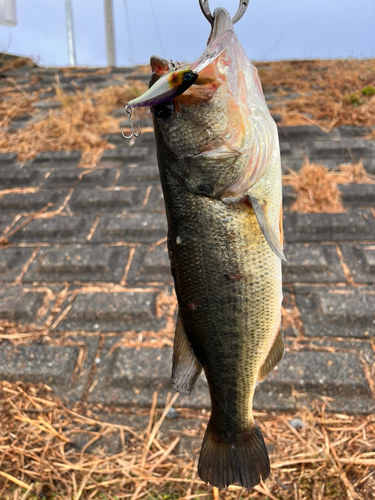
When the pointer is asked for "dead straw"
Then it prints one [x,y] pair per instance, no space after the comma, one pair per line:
[328,93]
[316,189]
[331,457]
[80,123]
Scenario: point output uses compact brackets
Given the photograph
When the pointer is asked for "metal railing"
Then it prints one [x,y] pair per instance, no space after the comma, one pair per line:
[70,33]
[109,31]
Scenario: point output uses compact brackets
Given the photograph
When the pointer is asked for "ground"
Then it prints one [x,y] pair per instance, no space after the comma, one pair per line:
[87,306]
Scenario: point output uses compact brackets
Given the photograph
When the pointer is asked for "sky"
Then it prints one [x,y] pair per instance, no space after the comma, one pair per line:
[176,29]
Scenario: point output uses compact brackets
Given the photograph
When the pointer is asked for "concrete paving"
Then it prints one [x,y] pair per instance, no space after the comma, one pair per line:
[83,283]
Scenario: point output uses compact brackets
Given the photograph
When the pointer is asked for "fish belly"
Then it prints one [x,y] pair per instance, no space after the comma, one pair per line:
[228,285]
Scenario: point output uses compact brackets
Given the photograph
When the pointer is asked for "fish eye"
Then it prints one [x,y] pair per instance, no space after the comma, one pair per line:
[189,76]
[164,110]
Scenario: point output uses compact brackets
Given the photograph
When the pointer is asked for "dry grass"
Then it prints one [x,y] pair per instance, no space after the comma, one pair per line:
[354,173]
[8,65]
[78,125]
[316,187]
[334,92]
[291,320]
[77,71]
[331,457]
[15,104]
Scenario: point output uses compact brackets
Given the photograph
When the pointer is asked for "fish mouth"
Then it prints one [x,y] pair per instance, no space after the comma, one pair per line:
[225,70]
[222,22]
[246,109]
[178,78]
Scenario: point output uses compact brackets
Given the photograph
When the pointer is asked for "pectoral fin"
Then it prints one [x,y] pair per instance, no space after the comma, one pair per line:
[267,230]
[274,357]
[186,368]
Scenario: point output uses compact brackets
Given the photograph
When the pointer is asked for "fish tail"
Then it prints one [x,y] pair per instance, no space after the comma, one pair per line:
[241,458]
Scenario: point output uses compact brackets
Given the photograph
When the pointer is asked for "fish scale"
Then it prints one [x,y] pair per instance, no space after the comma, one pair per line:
[219,163]
[235,319]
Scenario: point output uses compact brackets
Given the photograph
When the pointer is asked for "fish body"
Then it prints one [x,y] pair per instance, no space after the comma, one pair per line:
[219,162]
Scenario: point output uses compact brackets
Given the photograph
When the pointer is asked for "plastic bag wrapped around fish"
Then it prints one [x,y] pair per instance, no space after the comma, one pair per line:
[219,162]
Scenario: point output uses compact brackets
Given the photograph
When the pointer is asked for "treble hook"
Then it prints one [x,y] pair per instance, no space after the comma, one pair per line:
[210,18]
[173,65]
[128,111]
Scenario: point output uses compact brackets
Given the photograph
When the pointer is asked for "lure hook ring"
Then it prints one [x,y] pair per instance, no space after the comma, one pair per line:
[205,8]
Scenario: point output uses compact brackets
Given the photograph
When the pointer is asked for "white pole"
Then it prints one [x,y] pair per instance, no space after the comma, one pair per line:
[70,33]
[8,13]
[110,33]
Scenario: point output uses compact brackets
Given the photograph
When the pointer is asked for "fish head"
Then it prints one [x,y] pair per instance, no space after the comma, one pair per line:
[208,134]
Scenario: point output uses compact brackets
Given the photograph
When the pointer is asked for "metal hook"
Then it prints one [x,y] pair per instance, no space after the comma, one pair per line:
[210,18]
[173,65]
[205,8]
[241,10]
[128,111]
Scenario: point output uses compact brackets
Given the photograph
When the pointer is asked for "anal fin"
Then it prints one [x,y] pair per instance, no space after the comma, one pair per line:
[266,228]
[186,368]
[274,357]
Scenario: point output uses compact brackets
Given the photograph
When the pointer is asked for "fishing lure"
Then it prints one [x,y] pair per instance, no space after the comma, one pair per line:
[176,81]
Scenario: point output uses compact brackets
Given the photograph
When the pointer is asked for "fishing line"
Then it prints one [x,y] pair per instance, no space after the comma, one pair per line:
[282,485]
[158,33]
[130,38]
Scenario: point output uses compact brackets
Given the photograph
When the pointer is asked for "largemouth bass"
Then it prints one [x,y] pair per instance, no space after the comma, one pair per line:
[219,161]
